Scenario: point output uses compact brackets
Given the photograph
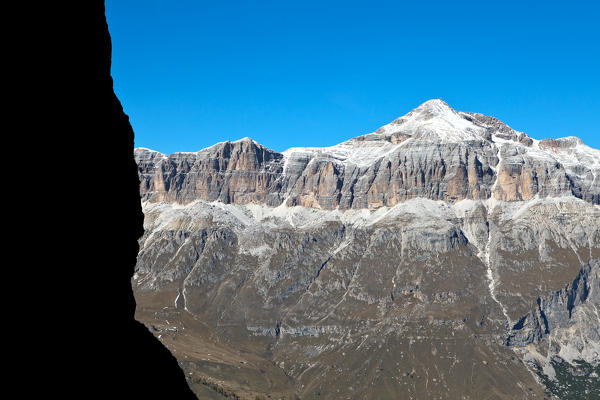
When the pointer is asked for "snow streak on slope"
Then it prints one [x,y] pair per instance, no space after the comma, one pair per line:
[484,254]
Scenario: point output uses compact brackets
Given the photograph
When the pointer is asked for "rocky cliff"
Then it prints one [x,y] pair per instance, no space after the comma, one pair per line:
[433,152]
[429,259]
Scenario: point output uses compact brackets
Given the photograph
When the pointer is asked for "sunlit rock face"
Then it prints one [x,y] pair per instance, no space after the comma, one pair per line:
[433,152]
[444,255]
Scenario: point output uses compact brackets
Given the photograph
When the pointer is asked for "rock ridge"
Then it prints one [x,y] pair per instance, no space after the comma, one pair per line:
[432,152]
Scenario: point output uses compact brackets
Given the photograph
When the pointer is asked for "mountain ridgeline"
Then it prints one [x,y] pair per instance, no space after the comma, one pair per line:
[433,152]
[444,255]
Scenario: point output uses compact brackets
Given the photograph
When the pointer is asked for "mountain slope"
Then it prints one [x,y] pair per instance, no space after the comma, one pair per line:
[404,263]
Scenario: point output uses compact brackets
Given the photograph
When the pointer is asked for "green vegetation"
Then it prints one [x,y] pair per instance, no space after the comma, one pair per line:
[578,382]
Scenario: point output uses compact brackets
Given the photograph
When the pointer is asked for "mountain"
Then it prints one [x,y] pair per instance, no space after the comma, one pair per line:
[444,255]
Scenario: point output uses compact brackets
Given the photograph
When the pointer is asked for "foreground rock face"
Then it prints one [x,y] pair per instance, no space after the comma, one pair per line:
[433,258]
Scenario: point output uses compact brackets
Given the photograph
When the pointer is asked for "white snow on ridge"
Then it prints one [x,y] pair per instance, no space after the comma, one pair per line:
[578,160]
[361,153]
[437,121]
[576,155]
[433,121]
[165,216]
[569,156]
[246,139]
[147,149]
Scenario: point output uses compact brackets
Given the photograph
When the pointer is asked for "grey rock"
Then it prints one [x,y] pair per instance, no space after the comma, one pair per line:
[433,152]
[557,309]
[444,241]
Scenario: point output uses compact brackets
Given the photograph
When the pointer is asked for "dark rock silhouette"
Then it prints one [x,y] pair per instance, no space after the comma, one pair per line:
[106,352]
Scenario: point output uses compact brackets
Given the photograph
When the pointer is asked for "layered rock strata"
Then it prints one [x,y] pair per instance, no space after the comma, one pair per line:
[433,152]
[434,258]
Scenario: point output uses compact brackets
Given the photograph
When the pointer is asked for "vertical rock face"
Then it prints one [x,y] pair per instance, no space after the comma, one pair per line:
[240,172]
[433,152]
[563,333]
[561,309]
[432,258]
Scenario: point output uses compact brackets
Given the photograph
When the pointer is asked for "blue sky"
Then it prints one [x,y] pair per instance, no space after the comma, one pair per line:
[315,73]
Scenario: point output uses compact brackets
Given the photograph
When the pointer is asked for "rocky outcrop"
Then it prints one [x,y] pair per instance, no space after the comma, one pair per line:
[560,144]
[557,310]
[239,172]
[433,152]
[560,338]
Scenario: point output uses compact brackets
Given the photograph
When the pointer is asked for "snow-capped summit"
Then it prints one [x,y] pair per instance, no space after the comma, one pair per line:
[245,139]
[434,120]
[434,152]
[434,107]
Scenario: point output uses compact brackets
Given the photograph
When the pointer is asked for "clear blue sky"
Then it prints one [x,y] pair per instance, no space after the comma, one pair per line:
[315,73]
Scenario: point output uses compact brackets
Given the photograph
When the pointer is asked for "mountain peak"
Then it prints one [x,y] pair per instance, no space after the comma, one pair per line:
[436,121]
[435,106]
[245,139]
